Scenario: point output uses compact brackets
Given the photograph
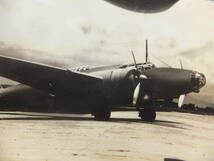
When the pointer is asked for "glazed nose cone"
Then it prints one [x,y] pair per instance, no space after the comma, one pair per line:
[199,80]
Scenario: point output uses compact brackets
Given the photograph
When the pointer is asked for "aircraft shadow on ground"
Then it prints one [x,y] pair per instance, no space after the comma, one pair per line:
[25,116]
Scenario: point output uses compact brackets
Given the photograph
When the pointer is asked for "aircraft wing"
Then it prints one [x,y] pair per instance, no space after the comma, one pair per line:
[54,80]
[144,6]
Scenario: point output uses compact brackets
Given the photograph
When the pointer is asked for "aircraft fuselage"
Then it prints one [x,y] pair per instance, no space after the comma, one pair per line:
[116,89]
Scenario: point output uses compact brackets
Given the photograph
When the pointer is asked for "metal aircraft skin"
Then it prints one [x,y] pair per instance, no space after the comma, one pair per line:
[144,6]
[95,90]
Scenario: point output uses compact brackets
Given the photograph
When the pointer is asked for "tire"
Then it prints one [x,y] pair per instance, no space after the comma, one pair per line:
[102,114]
[148,115]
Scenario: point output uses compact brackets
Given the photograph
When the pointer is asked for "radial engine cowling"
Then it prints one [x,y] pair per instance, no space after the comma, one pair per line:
[119,85]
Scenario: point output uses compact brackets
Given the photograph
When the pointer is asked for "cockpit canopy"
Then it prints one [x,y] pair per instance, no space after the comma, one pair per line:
[140,66]
[80,69]
[146,66]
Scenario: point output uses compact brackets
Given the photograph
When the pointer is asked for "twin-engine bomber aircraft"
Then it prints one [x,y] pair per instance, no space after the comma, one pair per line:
[97,90]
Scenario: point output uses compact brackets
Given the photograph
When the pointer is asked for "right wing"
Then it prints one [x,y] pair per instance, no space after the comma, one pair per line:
[54,80]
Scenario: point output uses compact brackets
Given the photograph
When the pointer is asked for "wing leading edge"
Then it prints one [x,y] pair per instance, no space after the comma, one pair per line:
[54,80]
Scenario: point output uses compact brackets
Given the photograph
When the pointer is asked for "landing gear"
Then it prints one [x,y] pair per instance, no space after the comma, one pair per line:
[102,114]
[147,114]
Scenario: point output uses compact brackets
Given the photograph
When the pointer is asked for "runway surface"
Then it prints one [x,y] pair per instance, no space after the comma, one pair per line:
[65,137]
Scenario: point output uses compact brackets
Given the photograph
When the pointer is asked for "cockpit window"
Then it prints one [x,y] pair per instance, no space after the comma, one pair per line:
[140,66]
[80,69]
[147,66]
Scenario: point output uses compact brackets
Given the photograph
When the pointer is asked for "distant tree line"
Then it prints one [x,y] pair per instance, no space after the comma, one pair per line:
[192,108]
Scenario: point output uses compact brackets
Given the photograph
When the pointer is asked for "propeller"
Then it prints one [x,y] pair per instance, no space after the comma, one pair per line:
[137,89]
[140,77]
[136,94]
[182,97]
[181,100]
[135,63]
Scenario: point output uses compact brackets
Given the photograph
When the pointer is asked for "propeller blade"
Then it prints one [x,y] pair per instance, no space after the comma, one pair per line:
[135,63]
[181,100]
[136,94]
[143,76]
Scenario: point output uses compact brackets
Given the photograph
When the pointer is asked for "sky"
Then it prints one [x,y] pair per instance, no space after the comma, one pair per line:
[94,32]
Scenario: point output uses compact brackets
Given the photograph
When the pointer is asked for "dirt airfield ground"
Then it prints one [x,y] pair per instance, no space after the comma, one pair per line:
[64,137]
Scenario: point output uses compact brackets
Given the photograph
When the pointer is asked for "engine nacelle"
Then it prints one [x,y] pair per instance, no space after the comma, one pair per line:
[119,85]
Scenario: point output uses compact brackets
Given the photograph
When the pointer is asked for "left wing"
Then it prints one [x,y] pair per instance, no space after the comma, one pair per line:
[54,80]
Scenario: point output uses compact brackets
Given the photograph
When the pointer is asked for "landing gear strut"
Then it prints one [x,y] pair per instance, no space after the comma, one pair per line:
[147,114]
[102,114]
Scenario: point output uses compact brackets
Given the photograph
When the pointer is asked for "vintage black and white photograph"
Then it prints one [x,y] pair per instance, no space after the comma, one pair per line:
[106,80]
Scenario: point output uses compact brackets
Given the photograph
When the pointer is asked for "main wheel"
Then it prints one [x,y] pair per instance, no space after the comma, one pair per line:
[102,114]
[147,114]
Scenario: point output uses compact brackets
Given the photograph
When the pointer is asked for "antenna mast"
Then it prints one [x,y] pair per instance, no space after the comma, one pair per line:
[146,51]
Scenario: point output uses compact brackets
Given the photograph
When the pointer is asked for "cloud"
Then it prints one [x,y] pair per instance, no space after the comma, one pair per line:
[97,56]
[197,52]
[86,29]
[92,56]
[32,55]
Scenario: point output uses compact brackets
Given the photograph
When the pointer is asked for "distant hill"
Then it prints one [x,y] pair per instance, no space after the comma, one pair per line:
[204,98]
